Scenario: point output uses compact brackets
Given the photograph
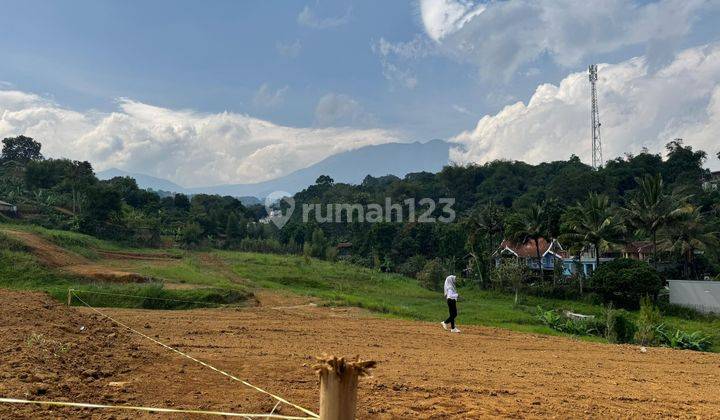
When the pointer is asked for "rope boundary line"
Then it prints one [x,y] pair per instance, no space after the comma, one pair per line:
[150,409]
[248,384]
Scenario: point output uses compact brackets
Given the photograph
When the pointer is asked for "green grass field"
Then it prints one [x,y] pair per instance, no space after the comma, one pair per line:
[226,277]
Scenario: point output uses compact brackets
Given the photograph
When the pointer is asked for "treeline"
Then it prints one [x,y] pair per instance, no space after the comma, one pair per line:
[635,198]
[66,194]
[648,197]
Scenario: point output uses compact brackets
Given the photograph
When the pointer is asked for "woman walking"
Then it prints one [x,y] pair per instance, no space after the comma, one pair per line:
[451,295]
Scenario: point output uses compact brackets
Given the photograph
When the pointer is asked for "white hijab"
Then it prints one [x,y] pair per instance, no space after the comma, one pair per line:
[450,291]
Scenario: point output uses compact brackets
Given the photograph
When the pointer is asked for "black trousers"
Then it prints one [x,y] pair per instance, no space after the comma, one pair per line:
[452,307]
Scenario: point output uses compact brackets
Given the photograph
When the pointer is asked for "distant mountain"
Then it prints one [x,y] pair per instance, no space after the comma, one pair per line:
[348,167]
[143,181]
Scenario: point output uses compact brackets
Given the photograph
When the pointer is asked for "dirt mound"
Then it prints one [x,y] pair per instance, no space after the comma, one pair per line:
[53,256]
[119,255]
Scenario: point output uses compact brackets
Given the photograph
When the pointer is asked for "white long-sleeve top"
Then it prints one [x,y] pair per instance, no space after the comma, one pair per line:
[450,291]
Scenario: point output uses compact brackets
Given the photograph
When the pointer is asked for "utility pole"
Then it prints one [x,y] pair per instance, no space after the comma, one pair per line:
[597,158]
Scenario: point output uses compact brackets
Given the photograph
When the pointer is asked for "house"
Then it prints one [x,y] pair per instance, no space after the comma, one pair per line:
[713,182]
[639,250]
[8,208]
[551,253]
[585,263]
[344,249]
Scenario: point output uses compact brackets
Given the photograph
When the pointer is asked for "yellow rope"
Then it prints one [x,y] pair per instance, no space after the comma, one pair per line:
[151,409]
[276,397]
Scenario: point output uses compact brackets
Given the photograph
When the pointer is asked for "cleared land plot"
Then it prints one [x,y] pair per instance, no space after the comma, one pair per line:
[423,372]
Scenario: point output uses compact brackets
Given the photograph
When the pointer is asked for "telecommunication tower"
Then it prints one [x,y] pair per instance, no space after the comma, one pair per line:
[597,159]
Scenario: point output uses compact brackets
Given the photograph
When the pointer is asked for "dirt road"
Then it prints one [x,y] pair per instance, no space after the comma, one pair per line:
[423,371]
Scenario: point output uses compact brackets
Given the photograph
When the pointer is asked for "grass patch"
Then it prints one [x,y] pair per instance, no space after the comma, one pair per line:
[393,295]
[20,270]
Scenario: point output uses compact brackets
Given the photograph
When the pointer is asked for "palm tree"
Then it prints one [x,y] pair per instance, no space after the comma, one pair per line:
[592,223]
[531,224]
[483,227]
[690,234]
[650,209]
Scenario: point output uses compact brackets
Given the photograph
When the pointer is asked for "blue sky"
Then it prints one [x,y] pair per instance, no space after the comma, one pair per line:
[367,72]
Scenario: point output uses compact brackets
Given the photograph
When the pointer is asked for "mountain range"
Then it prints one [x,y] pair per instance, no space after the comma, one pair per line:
[349,167]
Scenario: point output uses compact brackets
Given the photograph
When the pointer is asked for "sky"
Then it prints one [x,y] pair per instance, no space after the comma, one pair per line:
[206,93]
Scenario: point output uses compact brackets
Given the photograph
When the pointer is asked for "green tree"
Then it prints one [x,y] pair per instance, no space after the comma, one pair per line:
[592,223]
[689,234]
[191,234]
[484,230]
[650,209]
[530,224]
[20,149]
[512,272]
[232,229]
[624,281]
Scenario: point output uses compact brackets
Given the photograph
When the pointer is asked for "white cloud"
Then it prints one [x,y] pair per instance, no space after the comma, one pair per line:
[309,18]
[461,109]
[395,56]
[341,110]
[639,107]
[443,17]
[267,97]
[502,36]
[188,147]
[289,49]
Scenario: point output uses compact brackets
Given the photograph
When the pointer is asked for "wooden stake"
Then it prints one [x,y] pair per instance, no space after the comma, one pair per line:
[338,386]
[69,302]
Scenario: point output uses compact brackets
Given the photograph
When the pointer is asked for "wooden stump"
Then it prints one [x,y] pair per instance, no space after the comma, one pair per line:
[338,386]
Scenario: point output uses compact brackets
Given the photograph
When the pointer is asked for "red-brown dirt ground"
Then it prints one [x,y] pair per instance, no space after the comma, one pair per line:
[423,370]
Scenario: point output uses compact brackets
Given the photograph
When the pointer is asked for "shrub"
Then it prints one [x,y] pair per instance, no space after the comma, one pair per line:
[412,266]
[683,340]
[649,319]
[623,282]
[191,235]
[432,276]
[619,328]
[570,326]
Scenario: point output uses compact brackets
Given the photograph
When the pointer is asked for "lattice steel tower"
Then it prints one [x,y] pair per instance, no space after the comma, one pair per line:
[597,159]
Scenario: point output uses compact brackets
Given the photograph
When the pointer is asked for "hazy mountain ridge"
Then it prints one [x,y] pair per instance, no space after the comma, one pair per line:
[349,167]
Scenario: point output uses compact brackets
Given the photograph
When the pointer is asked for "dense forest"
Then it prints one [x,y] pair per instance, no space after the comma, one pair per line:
[667,200]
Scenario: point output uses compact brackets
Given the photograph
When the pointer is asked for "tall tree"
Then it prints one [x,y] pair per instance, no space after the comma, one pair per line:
[650,209]
[530,224]
[691,233]
[483,227]
[20,149]
[592,222]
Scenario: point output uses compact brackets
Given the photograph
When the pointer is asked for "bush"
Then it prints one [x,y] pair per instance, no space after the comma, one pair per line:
[191,235]
[412,266]
[683,340]
[623,282]
[432,276]
[619,328]
[649,319]
[570,326]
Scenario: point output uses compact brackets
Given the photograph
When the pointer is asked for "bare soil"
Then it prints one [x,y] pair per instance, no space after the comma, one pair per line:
[423,370]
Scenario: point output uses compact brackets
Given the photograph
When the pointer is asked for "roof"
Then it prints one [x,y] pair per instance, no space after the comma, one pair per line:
[528,250]
[639,246]
[344,245]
